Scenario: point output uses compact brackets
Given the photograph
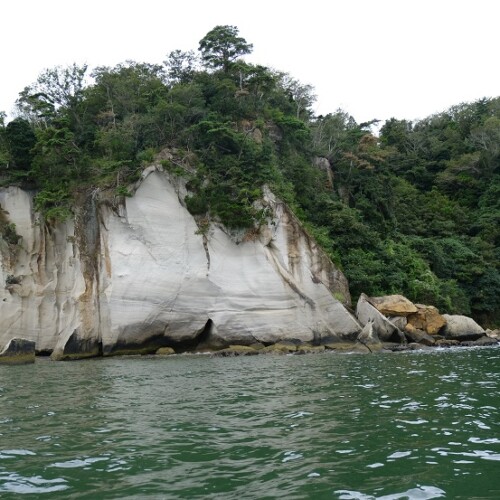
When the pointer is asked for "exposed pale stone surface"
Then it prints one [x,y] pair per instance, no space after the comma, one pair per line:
[138,277]
[384,329]
[393,305]
[398,321]
[369,338]
[324,165]
[494,334]
[427,318]
[461,328]
[368,334]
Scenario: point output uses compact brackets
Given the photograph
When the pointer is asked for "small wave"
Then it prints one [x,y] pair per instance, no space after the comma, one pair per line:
[418,493]
[291,455]
[399,454]
[71,464]
[484,441]
[480,424]
[419,421]
[14,483]
[314,474]
[44,438]
[14,453]
[299,414]
[487,455]
[484,454]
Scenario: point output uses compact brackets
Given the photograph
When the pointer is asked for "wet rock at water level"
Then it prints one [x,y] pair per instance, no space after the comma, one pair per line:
[18,352]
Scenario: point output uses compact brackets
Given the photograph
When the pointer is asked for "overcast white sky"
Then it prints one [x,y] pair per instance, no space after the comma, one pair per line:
[372,58]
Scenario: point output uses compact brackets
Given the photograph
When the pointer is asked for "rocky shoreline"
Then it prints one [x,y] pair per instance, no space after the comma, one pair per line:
[288,348]
[142,274]
[28,356]
[386,324]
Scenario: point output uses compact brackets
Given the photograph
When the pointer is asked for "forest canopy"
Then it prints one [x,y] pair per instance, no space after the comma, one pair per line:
[414,209]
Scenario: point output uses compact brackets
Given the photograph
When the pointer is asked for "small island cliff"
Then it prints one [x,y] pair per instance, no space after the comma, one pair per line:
[139,274]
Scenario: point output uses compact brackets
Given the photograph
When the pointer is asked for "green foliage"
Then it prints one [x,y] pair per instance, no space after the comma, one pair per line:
[19,140]
[181,66]
[415,211]
[9,234]
[54,204]
[123,191]
[221,46]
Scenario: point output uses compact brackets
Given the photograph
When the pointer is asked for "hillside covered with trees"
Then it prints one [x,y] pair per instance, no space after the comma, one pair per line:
[414,211]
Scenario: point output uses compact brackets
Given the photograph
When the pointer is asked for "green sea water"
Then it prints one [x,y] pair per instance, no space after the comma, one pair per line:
[412,425]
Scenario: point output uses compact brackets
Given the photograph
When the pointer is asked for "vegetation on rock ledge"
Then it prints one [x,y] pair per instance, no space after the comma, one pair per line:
[414,211]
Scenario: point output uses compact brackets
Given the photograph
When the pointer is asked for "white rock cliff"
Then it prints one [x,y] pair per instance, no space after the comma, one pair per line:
[140,275]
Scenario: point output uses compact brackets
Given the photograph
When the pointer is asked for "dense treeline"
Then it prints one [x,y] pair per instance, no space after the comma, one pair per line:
[413,211]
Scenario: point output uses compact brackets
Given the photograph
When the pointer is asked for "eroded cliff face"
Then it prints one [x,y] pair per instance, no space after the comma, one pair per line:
[142,275]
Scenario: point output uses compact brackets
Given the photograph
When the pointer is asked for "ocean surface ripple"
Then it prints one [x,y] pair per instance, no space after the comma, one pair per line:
[412,425]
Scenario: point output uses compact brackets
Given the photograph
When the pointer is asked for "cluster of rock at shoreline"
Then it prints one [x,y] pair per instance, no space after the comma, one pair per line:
[389,323]
[394,318]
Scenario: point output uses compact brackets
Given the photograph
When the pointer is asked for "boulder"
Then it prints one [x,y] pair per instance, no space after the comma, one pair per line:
[368,335]
[480,342]
[393,347]
[447,343]
[461,328]
[279,348]
[310,349]
[426,318]
[347,347]
[384,329]
[236,350]
[493,334]
[165,351]
[393,305]
[18,352]
[419,336]
[398,321]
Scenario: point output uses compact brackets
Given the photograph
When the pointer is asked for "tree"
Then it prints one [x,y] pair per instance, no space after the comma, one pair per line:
[334,133]
[221,46]
[56,88]
[181,66]
[4,153]
[302,95]
[20,140]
